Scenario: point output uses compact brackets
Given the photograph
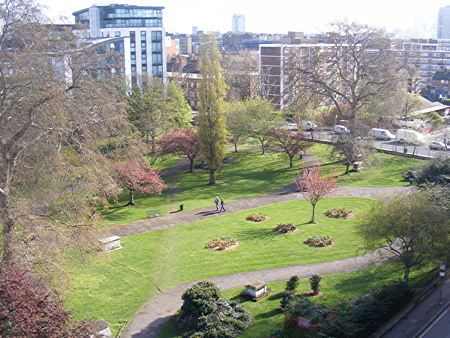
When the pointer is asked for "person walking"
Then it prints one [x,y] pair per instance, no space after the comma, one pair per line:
[222,205]
[216,202]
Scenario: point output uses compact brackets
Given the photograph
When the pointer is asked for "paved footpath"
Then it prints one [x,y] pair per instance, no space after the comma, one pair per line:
[158,310]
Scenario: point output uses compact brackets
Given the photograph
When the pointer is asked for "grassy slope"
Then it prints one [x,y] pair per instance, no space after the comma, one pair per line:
[255,175]
[154,261]
[344,286]
[383,170]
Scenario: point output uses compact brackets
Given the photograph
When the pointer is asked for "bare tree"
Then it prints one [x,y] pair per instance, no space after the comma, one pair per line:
[53,112]
[241,75]
[358,67]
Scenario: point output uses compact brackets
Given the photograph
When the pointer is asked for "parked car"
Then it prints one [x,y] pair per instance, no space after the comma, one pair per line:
[410,136]
[382,134]
[338,128]
[436,145]
[308,125]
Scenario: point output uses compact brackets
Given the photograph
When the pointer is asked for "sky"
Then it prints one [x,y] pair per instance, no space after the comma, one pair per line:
[413,18]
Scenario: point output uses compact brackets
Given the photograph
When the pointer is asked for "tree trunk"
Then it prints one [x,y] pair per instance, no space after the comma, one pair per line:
[347,166]
[235,148]
[212,176]
[9,231]
[290,161]
[191,165]
[313,217]
[262,146]
[131,199]
[406,275]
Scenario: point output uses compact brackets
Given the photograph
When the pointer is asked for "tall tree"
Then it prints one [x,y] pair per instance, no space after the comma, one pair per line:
[412,227]
[154,109]
[359,67]
[212,91]
[314,187]
[53,111]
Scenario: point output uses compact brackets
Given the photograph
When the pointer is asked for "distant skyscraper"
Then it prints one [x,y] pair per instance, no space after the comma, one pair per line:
[238,23]
[194,30]
[444,23]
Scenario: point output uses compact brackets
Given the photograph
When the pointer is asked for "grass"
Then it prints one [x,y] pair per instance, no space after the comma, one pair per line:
[254,175]
[154,261]
[382,170]
[267,317]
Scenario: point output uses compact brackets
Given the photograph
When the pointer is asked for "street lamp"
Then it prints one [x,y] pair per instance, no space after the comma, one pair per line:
[442,269]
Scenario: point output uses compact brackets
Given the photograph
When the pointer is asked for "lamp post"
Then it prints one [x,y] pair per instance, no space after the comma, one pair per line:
[442,269]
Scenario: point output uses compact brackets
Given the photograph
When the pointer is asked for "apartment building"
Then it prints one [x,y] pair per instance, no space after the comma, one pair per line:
[426,55]
[136,32]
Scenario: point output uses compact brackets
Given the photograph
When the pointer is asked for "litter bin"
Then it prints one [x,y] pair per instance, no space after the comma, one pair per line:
[181,207]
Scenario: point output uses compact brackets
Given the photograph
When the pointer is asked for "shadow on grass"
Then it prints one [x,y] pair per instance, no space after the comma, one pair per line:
[364,280]
[268,314]
[257,234]
[275,296]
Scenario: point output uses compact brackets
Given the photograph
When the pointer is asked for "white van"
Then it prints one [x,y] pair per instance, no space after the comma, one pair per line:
[410,136]
[308,125]
[382,134]
[338,128]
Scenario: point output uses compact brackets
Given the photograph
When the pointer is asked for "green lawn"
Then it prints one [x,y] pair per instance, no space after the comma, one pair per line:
[267,317]
[382,170]
[154,261]
[254,175]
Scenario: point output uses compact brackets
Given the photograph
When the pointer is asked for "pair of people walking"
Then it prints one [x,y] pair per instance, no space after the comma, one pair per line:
[220,201]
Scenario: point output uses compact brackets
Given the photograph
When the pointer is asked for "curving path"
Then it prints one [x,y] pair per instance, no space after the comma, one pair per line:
[158,310]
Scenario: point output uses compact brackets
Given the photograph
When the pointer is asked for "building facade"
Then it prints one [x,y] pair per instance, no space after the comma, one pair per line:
[140,30]
[238,23]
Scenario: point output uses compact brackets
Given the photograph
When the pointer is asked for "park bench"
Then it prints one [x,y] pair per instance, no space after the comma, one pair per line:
[153,212]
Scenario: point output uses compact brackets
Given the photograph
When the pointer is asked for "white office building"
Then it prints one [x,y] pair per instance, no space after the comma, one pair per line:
[444,23]
[238,23]
[136,32]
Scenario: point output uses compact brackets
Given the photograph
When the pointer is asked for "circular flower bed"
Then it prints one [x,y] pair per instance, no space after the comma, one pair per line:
[222,244]
[284,228]
[258,217]
[339,213]
[319,241]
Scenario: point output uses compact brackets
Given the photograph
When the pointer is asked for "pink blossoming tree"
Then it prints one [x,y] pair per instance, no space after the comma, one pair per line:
[182,141]
[137,176]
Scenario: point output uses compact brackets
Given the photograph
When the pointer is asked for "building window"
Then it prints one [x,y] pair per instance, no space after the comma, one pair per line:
[156,47]
[117,34]
[144,68]
[156,36]
[143,35]
[157,59]
[143,44]
[157,70]
[133,68]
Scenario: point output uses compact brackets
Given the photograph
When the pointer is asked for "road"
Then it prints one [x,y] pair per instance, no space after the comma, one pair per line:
[391,145]
[440,328]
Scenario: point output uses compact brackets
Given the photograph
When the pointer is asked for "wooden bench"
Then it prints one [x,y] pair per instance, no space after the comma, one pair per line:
[153,212]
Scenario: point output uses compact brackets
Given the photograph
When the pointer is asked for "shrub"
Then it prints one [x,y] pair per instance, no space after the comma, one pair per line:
[258,217]
[285,228]
[436,171]
[221,243]
[205,314]
[314,281]
[368,313]
[292,283]
[319,241]
[339,213]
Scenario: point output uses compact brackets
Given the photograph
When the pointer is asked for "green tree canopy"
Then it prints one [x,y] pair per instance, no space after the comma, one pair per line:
[212,129]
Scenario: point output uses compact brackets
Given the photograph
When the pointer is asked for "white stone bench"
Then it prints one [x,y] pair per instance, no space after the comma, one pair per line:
[110,243]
